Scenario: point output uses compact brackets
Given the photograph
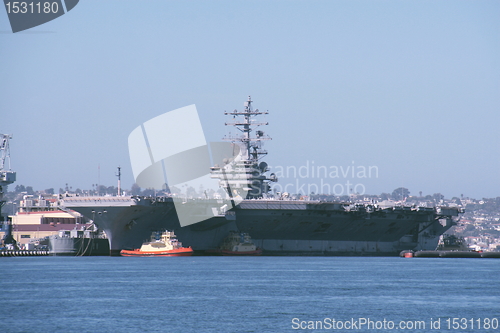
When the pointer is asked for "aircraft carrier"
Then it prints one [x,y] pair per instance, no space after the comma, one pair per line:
[277,224]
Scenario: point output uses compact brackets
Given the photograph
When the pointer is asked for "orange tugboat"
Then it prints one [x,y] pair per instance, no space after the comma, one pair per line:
[161,245]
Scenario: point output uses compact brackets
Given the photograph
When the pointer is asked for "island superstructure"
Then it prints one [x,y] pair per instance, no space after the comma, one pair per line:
[277,225]
[245,176]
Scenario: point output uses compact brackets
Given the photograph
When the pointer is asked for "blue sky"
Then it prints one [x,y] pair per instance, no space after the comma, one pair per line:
[410,87]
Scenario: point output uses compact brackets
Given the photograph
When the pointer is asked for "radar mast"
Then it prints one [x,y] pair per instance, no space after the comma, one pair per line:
[252,144]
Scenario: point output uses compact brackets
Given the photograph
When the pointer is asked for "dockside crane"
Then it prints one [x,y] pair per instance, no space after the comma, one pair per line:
[7,177]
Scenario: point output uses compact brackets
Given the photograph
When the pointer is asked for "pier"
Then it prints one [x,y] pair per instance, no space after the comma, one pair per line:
[23,253]
[448,254]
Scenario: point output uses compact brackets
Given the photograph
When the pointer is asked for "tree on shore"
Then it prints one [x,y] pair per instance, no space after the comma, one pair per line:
[135,190]
[400,193]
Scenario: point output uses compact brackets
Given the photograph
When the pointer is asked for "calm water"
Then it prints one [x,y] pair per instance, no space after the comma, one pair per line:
[252,294]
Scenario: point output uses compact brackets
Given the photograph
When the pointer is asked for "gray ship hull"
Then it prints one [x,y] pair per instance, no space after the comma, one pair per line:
[279,227]
[69,246]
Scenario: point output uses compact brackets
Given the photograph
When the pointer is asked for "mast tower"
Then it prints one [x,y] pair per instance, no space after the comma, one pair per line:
[119,175]
[7,176]
[252,144]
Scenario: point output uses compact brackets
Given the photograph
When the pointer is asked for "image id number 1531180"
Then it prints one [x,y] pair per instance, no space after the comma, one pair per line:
[33,7]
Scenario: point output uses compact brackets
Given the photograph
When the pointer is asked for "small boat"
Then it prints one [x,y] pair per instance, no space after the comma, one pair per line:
[162,244]
[237,244]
